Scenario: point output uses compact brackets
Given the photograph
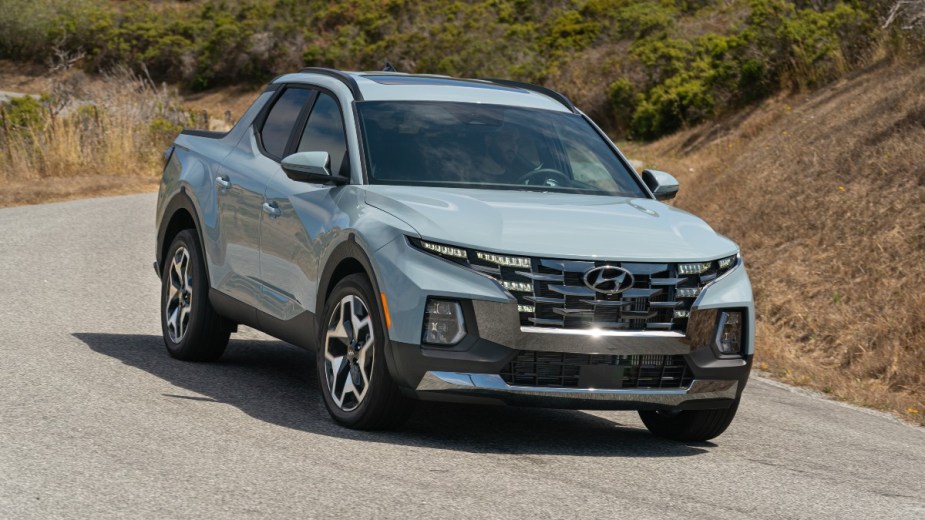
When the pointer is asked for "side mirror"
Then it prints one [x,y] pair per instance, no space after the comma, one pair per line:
[313,167]
[663,185]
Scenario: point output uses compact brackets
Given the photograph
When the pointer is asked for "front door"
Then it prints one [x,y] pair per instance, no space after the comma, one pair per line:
[241,185]
[293,238]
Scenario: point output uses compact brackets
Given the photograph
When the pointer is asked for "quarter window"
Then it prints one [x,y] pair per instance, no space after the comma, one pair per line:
[282,118]
[324,132]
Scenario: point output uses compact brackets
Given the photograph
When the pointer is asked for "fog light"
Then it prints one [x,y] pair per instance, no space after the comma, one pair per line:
[687,292]
[443,323]
[729,333]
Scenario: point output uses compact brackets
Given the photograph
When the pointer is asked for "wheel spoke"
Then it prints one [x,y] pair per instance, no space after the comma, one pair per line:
[179,294]
[364,359]
[172,318]
[348,349]
[183,320]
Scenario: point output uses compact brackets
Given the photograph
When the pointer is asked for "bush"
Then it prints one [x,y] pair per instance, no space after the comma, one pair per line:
[680,61]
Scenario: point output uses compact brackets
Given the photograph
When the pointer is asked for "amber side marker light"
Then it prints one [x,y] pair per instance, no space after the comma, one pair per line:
[385,309]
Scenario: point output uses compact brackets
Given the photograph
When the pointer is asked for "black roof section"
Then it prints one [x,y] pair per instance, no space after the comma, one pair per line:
[344,78]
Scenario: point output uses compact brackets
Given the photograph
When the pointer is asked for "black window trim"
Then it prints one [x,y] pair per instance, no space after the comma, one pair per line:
[299,128]
[265,112]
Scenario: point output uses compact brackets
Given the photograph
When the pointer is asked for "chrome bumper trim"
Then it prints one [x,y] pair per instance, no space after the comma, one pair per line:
[597,333]
[491,385]
[500,323]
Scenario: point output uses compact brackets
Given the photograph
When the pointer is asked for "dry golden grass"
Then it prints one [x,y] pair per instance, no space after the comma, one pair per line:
[826,195]
[112,149]
[93,137]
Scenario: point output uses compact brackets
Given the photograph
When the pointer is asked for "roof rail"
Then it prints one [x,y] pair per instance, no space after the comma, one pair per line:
[343,77]
[536,88]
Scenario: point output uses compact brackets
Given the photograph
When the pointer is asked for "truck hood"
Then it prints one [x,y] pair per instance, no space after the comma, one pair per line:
[552,225]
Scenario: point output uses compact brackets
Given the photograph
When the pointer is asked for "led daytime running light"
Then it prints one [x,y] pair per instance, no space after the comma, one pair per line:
[441,249]
[509,261]
[517,286]
[526,308]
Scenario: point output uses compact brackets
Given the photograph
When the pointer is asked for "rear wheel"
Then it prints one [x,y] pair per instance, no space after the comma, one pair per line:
[355,382]
[192,329]
[689,425]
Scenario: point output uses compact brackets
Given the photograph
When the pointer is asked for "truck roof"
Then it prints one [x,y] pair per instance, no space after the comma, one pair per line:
[397,86]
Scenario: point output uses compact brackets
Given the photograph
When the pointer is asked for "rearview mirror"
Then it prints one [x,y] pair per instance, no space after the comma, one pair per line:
[311,167]
[663,185]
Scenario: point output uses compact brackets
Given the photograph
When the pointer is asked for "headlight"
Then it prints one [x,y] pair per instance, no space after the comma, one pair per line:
[726,263]
[443,323]
[696,268]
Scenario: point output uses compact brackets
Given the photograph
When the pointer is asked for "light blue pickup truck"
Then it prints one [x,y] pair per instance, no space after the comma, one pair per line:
[451,240]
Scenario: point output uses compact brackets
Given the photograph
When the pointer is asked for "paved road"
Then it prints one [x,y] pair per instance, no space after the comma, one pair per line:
[97,422]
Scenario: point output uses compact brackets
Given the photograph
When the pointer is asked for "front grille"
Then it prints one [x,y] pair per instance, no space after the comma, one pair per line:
[560,298]
[552,293]
[563,370]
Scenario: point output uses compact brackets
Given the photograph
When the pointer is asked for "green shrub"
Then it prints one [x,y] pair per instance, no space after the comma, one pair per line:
[663,63]
[22,113]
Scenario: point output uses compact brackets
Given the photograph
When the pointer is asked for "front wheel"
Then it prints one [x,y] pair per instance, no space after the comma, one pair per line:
[355,382]
[192,330]
[689,425]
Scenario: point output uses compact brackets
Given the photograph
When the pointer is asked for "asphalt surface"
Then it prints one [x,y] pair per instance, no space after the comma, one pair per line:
[96,421]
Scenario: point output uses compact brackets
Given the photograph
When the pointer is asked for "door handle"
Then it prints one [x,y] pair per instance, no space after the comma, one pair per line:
[272,209]
[223,182]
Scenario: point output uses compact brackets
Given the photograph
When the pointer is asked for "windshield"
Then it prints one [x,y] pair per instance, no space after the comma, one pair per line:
[471,145]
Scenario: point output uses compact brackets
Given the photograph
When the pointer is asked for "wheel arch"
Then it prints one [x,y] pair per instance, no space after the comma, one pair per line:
[179,214]
[346,259]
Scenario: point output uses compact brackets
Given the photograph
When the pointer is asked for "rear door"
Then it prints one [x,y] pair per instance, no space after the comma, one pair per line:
[294,236]
[241,187]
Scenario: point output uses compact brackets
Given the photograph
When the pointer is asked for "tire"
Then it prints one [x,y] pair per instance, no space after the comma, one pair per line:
[358,390]
[192,330]
[689,425]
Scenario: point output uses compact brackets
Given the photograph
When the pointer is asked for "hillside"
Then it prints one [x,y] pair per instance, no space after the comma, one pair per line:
[643,68]
[794,126]
[826,195]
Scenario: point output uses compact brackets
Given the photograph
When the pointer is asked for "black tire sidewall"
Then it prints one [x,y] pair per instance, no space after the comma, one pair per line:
[185,347]
[357,285]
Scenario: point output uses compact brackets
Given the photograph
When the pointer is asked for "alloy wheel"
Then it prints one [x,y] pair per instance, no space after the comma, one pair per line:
[348,353]
[179,295]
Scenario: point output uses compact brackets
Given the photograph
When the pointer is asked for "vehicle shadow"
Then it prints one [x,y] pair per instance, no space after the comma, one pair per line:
[275,382]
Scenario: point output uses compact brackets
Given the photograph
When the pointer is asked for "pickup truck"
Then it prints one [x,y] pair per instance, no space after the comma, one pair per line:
[456,240]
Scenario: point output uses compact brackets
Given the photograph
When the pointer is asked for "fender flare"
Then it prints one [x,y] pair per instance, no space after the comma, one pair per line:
[349,249]
[181,200]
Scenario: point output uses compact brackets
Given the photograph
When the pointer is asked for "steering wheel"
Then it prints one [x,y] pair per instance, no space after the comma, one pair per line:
[547,177]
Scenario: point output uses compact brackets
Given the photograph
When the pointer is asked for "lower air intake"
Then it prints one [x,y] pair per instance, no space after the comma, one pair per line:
[563,370]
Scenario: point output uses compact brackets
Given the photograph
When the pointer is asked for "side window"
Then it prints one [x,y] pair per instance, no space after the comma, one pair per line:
[324,132]
[282,118]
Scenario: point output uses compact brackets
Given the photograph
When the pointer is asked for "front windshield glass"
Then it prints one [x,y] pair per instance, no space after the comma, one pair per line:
[470,145]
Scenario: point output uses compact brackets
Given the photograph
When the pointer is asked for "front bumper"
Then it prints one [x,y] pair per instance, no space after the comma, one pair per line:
[701,394]
[470,371]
